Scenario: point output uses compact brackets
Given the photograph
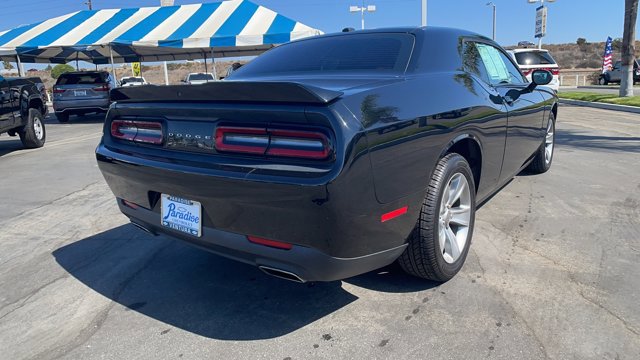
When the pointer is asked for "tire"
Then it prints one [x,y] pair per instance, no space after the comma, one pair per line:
[603,81]
[33,134]
[425,257]
[62,117]
[541,164]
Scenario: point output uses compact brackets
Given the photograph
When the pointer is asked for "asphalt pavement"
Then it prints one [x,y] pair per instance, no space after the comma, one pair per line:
[552,272]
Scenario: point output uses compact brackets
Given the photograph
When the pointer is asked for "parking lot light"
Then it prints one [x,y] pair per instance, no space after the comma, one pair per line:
[362,9]
[490,3]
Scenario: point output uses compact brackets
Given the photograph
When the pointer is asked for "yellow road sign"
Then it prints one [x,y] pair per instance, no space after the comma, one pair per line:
[135,68]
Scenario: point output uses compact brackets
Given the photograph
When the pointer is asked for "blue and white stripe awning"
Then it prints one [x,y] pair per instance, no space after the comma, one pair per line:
[229,28]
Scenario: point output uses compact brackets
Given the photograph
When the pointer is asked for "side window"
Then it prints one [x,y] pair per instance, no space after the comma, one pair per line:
[499,68]
[472,61]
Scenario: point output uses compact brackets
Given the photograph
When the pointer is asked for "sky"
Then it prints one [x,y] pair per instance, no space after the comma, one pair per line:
[568,19]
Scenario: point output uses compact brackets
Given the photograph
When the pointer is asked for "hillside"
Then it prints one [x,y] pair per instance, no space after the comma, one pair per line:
[587,55]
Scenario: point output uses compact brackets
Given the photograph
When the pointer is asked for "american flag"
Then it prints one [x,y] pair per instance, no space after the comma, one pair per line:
[607,58]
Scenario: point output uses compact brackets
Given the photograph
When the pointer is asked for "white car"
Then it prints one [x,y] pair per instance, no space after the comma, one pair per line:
[198,78]
[133,81]
[534,59]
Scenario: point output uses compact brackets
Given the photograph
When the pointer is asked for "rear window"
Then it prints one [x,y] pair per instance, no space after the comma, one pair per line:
[382,52]
[534,58]
[132,79]
[200,77]
[76,79]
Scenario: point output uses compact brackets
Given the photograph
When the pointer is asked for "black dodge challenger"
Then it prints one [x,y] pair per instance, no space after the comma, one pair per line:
[335,155]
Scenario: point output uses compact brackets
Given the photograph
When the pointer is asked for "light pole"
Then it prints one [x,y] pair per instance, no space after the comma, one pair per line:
[362,9]
[544,20]
[424,12]
[490,3]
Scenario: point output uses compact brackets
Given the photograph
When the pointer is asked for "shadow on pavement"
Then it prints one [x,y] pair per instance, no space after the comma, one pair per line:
[194,290]
[9,145]
[51,119]
[207,294]
[577,139]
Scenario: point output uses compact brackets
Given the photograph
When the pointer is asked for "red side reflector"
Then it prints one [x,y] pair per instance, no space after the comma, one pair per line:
[393,214]
[269,243]
[130,204]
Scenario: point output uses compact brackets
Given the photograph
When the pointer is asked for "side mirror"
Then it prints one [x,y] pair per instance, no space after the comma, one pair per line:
[538,77]
[541,77]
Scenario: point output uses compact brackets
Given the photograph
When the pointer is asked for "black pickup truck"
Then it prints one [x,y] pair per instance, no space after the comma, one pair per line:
[22,109]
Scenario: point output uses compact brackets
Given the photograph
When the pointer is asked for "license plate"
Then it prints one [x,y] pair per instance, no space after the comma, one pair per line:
[181,214]
[80,92]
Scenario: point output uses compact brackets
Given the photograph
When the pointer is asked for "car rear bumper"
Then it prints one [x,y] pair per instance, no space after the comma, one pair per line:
[335,227]
[76,105]
[300,263]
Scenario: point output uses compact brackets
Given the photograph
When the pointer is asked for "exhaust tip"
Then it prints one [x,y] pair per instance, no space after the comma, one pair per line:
[282,274]
[144,228]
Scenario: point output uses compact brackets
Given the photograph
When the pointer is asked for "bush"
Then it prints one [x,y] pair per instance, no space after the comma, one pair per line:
[594,77]
[60,69]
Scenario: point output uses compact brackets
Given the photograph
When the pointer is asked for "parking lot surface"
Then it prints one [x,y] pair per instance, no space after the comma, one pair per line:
[552,271]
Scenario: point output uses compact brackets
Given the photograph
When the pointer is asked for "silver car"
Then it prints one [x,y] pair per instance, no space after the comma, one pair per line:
[82,92]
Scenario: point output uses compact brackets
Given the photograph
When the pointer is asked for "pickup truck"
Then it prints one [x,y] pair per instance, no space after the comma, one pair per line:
[23,109]
[615,74]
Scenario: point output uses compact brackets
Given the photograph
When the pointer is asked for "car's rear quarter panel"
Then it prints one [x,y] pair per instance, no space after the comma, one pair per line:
[411,124]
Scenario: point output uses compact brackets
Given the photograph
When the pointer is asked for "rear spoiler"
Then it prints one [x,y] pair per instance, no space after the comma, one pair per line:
[227,91]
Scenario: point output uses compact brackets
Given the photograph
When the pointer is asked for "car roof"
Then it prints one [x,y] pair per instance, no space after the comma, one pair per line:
[85,72]
[528,50]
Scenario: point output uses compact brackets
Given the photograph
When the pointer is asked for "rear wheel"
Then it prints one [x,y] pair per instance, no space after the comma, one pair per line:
[544,155]
[603,81]
[33,134]
[62,117]
[439,244]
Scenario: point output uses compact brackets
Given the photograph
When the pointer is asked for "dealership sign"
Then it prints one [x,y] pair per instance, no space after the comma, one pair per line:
[541,21]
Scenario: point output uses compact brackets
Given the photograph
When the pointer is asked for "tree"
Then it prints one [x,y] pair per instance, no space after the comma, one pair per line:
[628,47]
[617,44]
[7,65]
[581,42]
[48,68]
[60,69]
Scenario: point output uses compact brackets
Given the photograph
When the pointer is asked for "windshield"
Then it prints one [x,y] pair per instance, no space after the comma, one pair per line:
[534,58]
[193,77]
[380,53]
[75,79]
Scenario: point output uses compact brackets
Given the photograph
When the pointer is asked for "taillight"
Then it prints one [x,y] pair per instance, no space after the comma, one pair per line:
[306,144]
[103,87]
[242,140]
[553,71]
[57,90]
[148,132]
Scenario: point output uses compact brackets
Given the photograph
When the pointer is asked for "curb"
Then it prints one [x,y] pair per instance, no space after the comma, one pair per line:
[599,105]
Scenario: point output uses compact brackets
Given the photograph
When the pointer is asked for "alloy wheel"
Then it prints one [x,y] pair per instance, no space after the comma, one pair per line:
[38,128]
[455,216]
[548,143]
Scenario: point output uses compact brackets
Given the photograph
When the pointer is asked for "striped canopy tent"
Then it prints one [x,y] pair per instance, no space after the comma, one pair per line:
[186,32]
